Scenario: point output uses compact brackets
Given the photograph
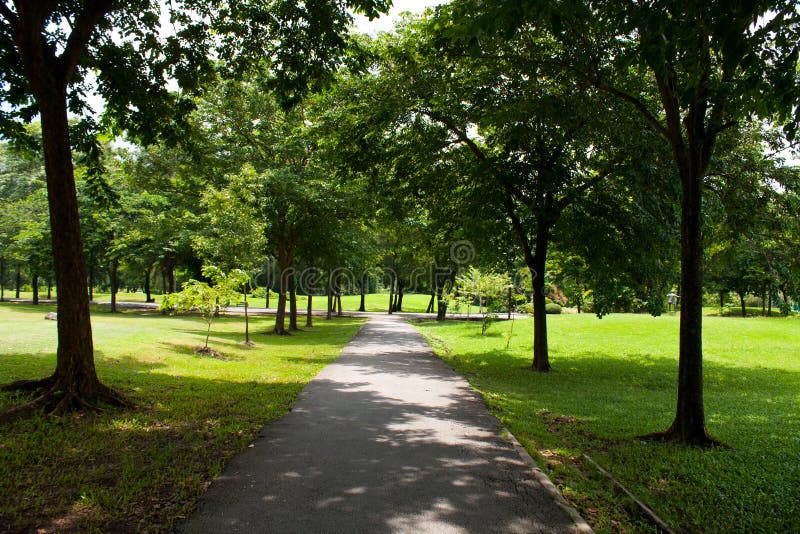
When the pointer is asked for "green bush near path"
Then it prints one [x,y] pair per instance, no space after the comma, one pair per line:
[615,379]
[140,469]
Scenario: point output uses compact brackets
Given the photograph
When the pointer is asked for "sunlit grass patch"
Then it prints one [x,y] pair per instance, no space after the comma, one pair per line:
[141,469]
[615,379]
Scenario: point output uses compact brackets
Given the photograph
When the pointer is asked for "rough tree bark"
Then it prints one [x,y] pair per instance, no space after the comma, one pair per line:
[309,314]
[74,384]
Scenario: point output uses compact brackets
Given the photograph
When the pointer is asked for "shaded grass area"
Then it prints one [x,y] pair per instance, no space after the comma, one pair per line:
[139,470]
[615,379]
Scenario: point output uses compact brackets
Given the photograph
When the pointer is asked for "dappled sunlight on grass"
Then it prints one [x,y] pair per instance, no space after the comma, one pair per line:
[615,379]
[140,469]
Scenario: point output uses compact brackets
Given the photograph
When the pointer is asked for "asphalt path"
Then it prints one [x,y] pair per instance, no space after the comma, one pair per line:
[385,439]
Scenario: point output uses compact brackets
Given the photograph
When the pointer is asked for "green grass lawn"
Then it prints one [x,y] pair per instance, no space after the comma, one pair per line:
[138,470]
[615,379]
[375,302]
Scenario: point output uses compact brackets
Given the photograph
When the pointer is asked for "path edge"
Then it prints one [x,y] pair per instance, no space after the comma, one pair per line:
[579,523]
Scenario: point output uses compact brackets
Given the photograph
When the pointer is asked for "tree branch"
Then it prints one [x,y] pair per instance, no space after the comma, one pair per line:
[508,201]
[460,134]
[638,104]
[78,39]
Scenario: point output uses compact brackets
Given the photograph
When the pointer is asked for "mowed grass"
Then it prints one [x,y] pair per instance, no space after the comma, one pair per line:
[374,302]
[140,469]
[615,379]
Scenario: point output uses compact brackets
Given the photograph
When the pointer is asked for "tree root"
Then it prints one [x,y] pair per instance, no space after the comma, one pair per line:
[58,401]
[30,385]
[671,435]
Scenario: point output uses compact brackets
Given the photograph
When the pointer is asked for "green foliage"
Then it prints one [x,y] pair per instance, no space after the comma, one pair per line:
[614,381]
[208,299]
[552,308]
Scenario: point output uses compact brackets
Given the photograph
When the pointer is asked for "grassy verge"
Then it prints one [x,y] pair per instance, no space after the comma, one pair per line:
[615,379]
[139,470]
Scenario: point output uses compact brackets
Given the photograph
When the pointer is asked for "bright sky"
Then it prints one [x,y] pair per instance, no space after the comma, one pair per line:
[386,22]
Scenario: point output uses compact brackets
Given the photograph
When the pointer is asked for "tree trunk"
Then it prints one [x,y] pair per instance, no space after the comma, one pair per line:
[309,314]
[171,278]
[785,302]
[266,303]
[329,290]
[18,280]
[2,279]
[293,308]
[399,307]
[49,288]
[148,297]
[429,309]
[769,302]
[338,296]
[441,305]
[114,283]
[363,306]
[741,302]
[763,302]
[541,357]
[75,384]
[391,294]
[35,288]
[246,319]
[280,314]
[689,426]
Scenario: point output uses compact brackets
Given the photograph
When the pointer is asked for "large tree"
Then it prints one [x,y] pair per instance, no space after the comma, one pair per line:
[49,52]
[713,63]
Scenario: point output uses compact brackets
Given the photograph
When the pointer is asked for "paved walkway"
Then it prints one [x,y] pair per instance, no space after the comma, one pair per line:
[385,439]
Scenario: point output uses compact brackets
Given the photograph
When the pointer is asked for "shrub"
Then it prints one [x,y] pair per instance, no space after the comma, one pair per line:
[552,308]
[526,308]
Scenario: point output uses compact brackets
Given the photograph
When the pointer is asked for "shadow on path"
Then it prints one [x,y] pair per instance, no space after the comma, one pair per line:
[385,439]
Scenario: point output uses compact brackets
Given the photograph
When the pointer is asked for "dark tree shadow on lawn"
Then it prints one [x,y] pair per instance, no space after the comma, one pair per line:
[148,465]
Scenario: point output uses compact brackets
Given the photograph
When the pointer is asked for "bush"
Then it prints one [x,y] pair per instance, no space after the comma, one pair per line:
[258,292]
[552,308]
[526,308]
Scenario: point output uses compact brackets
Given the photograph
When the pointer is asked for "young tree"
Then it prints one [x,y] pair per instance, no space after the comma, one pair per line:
[47,52]
[206,298]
